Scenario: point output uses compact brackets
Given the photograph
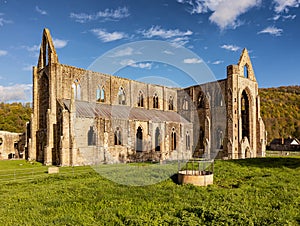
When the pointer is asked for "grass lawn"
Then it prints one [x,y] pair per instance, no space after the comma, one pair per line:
[263,191]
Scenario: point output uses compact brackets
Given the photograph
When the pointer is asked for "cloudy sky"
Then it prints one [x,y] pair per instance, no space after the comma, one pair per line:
[216,31]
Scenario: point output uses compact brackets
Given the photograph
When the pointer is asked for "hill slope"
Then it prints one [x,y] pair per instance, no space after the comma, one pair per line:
[280,110]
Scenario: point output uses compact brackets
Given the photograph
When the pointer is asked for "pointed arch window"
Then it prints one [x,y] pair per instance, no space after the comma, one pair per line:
[139,139]
[155,101]
[171,103]
[91,137]
[246,72]
[121,96]
[157,139]
[141,99]
[187,141]
[100,95]
[76,89]
[173,139]
[118,136]
[185,104]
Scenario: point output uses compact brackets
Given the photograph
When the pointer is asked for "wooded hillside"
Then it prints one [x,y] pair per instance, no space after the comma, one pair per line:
[13,117]
[280,110]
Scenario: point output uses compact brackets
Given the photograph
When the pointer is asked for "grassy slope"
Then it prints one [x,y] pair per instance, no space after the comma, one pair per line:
[245,192]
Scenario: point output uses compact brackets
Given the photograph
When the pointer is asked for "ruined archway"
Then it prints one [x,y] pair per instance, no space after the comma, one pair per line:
[245,115]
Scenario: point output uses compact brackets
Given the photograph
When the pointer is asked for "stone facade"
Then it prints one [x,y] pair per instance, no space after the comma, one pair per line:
[82,117]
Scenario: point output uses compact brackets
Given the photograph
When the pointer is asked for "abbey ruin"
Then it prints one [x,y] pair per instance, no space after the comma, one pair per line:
[82,117]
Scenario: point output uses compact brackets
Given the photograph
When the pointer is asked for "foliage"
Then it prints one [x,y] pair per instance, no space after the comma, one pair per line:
[280,110]
[13,117]
[245,192]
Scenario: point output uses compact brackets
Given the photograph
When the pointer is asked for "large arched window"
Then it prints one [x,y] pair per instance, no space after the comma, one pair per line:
[100,96]
[139,139]
[76,89]
[118,136]
[245,115]
[155,101]
[121,96]
[171,103]
[141,99]
[173,139]
[157,139]
[187,141]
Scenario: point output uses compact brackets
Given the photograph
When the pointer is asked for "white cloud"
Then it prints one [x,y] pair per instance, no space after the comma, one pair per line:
[217,62]
[108,37]
[192,61]
[18,93]
[225,13]
[3,52]
[59,43]
[284,5]
[3,21]
[123,52]
[168,52]
[156,31]
[271,30]
[40,11]
[233,48]
[27,68]
[132,63]
[33,48]
[107,14]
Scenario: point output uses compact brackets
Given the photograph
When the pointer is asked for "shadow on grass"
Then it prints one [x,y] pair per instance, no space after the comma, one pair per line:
[270,162]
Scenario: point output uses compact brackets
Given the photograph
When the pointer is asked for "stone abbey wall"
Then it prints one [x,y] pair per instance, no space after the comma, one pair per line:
[82,117]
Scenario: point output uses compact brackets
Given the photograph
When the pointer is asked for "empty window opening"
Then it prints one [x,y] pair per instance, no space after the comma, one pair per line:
[155,101]
[100,95]
[173,139]
[157,139]
[118,136]
[187,141]
[171,101]
[139,139]
[141,99]
[122,97]
[91,137]
[245,116]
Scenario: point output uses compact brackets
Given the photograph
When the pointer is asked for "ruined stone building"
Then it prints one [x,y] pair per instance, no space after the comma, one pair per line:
[12,145]
[84,117]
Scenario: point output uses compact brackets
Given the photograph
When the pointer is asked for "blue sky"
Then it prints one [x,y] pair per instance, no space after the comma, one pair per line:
[215,31]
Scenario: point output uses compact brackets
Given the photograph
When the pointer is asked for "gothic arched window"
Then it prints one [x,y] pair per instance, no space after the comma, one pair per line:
[76,89]
[187,141]
[157,139]
[155,101]
[173,139]
[121,96]
[100,95]
[171,103]
[185,104]
[139,139]
[141,99]
[118,136]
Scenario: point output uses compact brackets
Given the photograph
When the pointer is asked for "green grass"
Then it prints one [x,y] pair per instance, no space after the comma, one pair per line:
[245,192]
